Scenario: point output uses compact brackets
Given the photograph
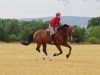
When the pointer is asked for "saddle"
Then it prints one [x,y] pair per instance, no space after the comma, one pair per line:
[47,33]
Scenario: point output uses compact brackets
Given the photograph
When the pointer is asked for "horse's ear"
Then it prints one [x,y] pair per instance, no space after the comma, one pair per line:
[66,25]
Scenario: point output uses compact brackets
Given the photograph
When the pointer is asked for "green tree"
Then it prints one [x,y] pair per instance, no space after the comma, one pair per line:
[2,29]
[93,40]
[12,27]
[79,34]
[95,21]
[15,30]
[94,32]
[13,38]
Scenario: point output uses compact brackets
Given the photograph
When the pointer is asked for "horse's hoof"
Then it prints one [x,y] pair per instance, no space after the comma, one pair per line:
[67,56]
[43,58]
[55,54]
[50,59]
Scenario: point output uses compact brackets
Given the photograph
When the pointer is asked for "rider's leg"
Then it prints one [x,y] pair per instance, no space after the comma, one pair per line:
[52,38]
[53,34]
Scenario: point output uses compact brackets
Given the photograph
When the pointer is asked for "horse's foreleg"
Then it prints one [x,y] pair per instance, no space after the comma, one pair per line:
[70,48]
[44,50]
[60,50]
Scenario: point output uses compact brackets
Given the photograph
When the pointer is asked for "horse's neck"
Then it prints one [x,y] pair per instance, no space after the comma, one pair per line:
[64,33]
[61,33]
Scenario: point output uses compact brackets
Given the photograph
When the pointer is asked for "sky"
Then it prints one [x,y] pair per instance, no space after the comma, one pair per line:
[44,8]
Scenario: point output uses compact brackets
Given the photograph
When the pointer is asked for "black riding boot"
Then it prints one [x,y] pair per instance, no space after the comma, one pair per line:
[52,39]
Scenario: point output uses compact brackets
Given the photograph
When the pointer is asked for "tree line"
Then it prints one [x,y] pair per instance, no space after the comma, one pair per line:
[91,34]
[13,30]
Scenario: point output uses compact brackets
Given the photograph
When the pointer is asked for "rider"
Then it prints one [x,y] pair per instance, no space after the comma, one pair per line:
[54,24]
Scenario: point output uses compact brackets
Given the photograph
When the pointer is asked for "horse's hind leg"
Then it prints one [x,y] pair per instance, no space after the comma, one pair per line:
[59,48]
[44,50]
[38,47]
[70,48]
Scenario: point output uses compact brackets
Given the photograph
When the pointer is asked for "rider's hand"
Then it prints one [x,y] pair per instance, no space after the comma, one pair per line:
[56,28]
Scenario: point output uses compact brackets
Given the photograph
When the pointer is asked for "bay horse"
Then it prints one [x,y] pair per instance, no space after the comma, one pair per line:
[61,38]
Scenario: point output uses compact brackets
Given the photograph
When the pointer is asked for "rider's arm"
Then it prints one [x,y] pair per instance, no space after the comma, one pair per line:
[61,24]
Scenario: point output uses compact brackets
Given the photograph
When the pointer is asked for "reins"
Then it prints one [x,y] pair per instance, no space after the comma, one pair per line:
[67,37]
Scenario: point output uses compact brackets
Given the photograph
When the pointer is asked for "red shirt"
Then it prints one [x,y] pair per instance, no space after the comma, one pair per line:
[55,22]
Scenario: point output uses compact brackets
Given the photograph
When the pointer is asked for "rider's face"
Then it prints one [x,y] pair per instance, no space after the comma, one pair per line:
[58,16]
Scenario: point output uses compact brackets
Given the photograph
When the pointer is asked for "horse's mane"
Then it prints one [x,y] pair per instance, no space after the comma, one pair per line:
[61,27]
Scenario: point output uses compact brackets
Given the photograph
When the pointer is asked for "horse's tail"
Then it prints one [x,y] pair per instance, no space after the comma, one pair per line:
[29,39]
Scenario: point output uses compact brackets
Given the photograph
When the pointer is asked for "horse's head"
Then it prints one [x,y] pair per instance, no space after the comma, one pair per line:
[67,30]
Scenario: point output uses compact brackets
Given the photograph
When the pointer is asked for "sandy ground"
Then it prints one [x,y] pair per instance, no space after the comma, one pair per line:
[16,59]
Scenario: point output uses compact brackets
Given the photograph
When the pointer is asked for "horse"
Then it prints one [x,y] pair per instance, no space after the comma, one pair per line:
[61,38]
